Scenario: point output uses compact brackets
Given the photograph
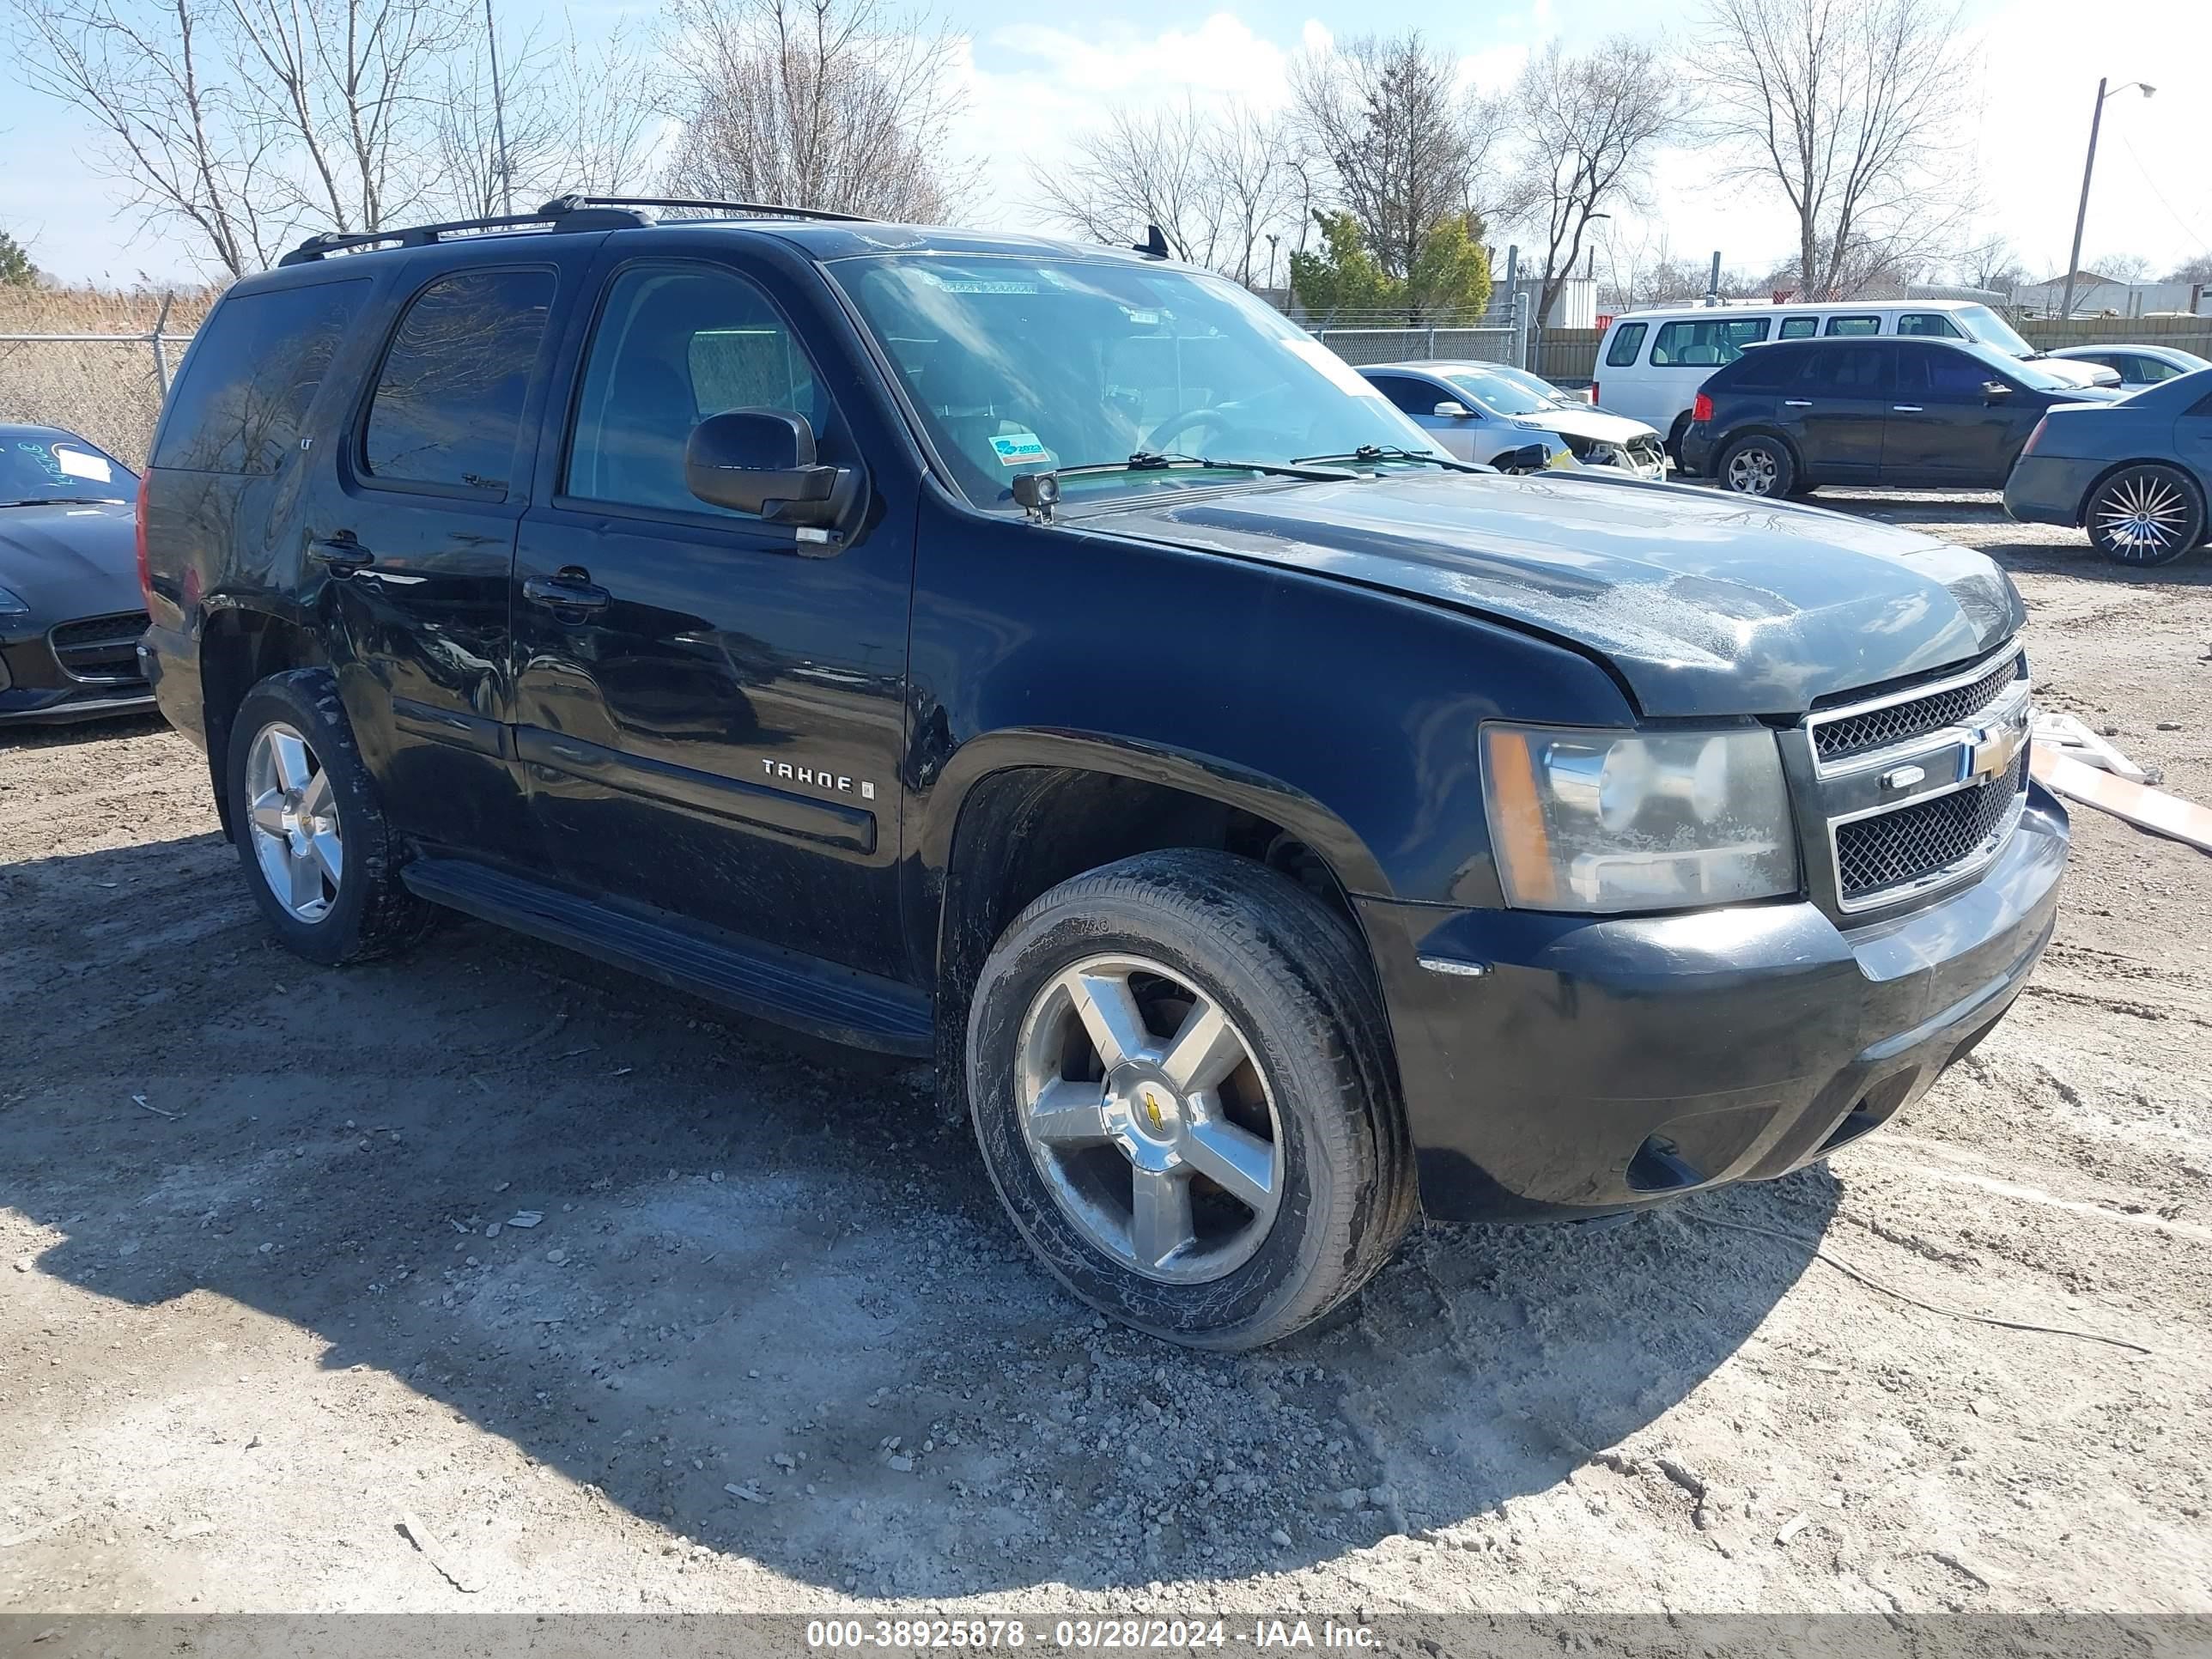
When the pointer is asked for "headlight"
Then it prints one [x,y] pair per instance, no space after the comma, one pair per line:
[12,606]
[1610,821]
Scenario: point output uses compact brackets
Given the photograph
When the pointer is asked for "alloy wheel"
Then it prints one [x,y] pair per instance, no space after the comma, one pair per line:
[293,816]
[1145,1113]
[2143,515]
[1752,472]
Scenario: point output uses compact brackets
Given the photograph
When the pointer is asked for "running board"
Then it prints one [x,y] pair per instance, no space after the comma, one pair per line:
[861,1011]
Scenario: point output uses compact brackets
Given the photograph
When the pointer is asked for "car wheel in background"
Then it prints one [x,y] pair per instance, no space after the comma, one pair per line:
[1758,465]
[2145,514]
[1179,1087]
[321,862]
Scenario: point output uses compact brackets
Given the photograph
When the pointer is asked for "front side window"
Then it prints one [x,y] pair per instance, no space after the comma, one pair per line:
[1627,341]
[1414,396]
[1017,365]
[2150,370]
[1800,328]
[1940,376]
[1707,342]
[252,370]
[674,344]
[448,404]
[1932,325]
[1854,324]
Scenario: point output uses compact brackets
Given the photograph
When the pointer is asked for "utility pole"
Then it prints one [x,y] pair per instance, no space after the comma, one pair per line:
[2088,166]
[1712,283]
[499,116]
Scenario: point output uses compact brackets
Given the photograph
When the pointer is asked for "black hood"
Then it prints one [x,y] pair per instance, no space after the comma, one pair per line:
[75,560]
[1705,603]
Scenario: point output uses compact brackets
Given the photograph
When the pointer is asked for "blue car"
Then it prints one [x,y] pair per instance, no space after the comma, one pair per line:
[2135,474]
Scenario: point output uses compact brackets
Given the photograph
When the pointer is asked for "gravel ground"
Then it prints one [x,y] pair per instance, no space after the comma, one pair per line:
[771,1345]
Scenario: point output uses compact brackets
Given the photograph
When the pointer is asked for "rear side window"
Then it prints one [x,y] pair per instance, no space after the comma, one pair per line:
[1707,342]
[1627,341]
[1854,324]
[1800,328]
[448,403]
[1847,371]
[250,375]
[1767,368]
[1932,323]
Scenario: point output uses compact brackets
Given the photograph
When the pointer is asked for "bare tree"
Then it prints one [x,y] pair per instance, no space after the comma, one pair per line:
[1587,126]
[1991,263]
[2197,267]
[834,104]
[2122,267]
[1407,147]
[1853,107]
[1215,183]
[153,79]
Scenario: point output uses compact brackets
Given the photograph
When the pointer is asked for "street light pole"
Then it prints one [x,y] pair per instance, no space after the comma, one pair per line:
[2088,166]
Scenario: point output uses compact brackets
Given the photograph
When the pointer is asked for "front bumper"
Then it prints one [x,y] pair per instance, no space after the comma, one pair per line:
[36,689]
[1558,1068]
[2050,489]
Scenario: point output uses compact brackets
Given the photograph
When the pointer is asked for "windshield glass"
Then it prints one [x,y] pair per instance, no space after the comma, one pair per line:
[2033,376]
[1499,395]
[52,466]
[1534,385]
[1984,324]
[1025,365]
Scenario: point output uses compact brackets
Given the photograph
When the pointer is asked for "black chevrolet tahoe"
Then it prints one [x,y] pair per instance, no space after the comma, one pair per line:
[1049,660]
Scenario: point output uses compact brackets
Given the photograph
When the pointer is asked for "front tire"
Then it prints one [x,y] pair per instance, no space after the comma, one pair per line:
[2145,515]
[1180,1089]
[1759,467]
[322,864]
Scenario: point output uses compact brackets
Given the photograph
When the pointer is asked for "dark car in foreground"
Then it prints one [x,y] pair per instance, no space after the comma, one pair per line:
[2137,476]
[1787,417]
[1049,660]
[70,609]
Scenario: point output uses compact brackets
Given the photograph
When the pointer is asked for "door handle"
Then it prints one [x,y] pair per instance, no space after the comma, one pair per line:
[1904,409]
[557,594]
[342,553]
[1796,403]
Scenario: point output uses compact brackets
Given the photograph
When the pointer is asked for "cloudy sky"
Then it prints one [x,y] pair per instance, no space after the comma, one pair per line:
[1034,71]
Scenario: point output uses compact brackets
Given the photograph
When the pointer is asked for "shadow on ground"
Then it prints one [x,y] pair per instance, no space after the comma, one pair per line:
[764,1268]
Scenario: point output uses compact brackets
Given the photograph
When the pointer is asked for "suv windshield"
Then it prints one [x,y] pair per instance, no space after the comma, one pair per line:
[2031,375]
[1984,324]
[52,466]
[1022,365]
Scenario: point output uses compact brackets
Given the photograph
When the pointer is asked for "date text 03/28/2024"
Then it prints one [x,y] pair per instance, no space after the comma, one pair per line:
[1159,1635]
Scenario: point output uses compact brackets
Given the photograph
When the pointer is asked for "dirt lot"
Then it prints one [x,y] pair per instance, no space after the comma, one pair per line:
[253,1306]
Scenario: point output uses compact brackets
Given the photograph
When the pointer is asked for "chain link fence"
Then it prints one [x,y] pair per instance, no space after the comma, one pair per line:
[1499,337]
[104,383]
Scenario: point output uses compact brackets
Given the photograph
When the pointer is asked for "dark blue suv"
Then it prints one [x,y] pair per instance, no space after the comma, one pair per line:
[1791,415]
[1050,661]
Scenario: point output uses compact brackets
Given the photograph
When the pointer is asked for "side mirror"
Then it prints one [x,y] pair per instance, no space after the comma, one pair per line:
[761,461]
[1995,391]
[1452,410]
[1529,458]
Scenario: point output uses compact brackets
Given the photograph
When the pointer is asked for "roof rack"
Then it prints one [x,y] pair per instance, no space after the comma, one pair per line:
[574,212]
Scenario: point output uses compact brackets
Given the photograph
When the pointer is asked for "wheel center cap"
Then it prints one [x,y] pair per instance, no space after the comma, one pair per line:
[1143,1109]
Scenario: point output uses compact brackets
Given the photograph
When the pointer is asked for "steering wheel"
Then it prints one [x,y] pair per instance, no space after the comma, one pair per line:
[1176,424]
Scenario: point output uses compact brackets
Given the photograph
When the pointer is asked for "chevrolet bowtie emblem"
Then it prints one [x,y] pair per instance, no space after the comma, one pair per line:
[1992,749]
[1152,1110]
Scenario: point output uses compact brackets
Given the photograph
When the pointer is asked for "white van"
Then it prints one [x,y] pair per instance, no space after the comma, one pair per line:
[1651,363]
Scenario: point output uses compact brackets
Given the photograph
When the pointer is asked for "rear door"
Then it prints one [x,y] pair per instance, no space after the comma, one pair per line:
[1837,408]
[412,525]
[710,711]
[1945,427]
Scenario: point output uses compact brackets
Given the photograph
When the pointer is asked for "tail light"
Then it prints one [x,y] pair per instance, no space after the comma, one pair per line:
[1593,394]
[1701,408]
[2035,437]
[145,572]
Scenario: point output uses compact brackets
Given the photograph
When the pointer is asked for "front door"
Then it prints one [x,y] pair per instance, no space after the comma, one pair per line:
[1837,408]
[413,517]
[709,714]
[1946,428]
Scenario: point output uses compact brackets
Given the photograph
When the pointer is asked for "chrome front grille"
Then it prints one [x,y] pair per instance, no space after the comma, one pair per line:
[1920,788]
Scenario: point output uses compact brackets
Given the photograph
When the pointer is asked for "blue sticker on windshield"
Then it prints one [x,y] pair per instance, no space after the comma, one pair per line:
[1019,449]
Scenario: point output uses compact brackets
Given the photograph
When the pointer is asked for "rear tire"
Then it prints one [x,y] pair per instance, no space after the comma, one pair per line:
[1759,467]
[1239,1165]
[2145,514]
[321,862]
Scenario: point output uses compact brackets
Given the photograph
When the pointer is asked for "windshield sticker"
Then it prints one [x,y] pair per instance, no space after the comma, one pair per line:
[75,464]
[1340,374]
[975,284]
[1020,449]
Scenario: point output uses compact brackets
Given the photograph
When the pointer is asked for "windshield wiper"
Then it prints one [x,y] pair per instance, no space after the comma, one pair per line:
[66,501]
[1146,460]
[1378,453]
